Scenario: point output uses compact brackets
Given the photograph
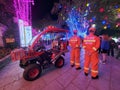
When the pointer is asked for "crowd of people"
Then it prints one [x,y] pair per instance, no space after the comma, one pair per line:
[109,47]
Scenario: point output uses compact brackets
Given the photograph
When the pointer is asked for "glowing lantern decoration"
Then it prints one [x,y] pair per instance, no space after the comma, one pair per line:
[105,27]
[94,25]
[63,18]
[118,10]
[94,18]
[103,22]
[87,4]
[116,6]
[106,17]
[109,26]
[101,10]
[118,16]
[65,7]
[117,26]
[90,20]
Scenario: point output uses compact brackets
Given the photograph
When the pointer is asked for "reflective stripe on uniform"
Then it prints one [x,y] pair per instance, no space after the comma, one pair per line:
[84,46]
[73,40]
[95,71]
[77,45]
[94,49]
[86,68]
[89,40]
[71,61]
[77,63]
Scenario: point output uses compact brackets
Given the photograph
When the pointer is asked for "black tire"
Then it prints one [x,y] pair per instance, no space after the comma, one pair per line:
[21,64]
[32,72]
[59,62]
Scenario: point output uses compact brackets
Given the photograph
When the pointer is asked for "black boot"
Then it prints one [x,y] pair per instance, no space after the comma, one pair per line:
[72,65]
[78,68]
[86,74]
[97,77]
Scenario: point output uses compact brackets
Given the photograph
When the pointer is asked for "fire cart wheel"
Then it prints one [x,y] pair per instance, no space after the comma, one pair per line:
[21,64]
[32,72]
[59,62]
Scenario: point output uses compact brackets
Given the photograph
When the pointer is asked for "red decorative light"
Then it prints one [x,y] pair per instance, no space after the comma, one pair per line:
[50,26]
[106,17]
[65,7]
[91,20]
[101,10]
[118,23]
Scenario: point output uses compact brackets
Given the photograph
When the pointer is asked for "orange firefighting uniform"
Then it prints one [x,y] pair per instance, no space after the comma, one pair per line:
[74,43]
[91,44]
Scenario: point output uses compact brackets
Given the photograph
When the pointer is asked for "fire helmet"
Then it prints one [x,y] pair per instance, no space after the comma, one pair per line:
[75,31]
[92,29]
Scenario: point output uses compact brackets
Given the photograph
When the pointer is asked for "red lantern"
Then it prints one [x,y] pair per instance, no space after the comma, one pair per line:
[91,20]
[101,10]
[106,17]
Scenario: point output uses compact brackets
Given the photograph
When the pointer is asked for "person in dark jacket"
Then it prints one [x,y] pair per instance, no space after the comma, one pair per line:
[112,45]
[118,45]
[104,47]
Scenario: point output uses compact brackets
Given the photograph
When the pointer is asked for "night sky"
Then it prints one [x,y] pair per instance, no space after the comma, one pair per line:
[41,8]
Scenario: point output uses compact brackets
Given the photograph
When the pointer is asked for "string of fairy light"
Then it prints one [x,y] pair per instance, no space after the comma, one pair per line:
[93,13]
[23,10]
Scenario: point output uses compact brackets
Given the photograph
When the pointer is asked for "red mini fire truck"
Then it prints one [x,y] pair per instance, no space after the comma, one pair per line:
[41,53]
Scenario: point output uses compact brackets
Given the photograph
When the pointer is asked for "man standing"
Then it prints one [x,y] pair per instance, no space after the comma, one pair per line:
[91,45]
[75,43]
[118,45]
[112,45]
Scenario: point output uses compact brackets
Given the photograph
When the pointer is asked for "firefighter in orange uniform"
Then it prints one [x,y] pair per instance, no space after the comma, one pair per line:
[75,43]
[91,45]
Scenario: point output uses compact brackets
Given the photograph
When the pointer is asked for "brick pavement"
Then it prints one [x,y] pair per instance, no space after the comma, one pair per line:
[66,78]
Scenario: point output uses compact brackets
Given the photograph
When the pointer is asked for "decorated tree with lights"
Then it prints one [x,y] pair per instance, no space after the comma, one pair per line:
[105,14]
[74,16]
[77,21]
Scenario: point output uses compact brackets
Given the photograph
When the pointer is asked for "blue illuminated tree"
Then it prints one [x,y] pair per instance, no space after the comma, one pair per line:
[77,21]
[103,14]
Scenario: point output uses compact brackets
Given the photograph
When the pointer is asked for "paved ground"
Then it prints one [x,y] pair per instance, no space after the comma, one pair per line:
[66,78]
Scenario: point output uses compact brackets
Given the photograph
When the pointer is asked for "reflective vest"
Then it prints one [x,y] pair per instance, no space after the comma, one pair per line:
[74,42]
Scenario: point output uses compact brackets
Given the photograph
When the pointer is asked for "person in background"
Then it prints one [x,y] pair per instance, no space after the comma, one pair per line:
[75,43]
[105,47]
[100,47]
[91,44]
[112,46]
[118,45]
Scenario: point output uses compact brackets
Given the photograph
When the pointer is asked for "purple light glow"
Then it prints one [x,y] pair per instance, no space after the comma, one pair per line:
[23,9]
[23,15]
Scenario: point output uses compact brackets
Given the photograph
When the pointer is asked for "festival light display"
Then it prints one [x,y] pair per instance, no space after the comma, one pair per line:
[23,9]
[102,13]
[77,21]
[23,15]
